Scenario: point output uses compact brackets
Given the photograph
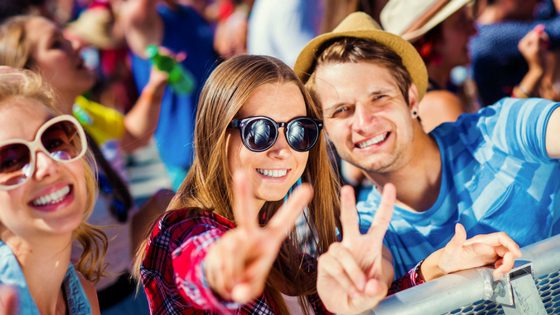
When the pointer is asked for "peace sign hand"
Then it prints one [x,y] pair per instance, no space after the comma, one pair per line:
[237,265]
[354,275]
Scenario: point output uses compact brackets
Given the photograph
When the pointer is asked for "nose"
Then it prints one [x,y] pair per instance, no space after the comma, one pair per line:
[362,119]
[45,166]
[280,149]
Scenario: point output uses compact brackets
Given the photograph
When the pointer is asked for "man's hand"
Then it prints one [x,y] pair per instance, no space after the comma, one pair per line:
[460,254]
[353,275]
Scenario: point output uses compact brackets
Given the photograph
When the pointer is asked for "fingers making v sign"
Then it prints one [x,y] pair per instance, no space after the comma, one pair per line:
[238,264]
[354,275]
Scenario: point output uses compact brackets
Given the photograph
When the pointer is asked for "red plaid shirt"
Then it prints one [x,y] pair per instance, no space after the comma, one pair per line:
[173,269]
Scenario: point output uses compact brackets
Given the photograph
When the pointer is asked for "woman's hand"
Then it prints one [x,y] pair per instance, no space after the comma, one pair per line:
[354,275]
[237,265]
[460,254]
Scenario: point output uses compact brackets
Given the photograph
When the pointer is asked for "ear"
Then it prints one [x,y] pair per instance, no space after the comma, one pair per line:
[413,100]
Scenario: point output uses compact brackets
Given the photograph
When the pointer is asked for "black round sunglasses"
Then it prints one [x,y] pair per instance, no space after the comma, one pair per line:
[259,133]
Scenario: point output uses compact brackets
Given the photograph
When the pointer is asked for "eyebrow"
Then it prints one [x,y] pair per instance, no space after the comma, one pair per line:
[371,94]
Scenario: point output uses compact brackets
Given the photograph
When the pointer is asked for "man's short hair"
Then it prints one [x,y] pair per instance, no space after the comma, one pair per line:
[354,50]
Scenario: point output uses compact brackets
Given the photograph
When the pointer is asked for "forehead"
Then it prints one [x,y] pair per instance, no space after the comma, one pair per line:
[38,28]
[20,118]
[280,101]
[348,81]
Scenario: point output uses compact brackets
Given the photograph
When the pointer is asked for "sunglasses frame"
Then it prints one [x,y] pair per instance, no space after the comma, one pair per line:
[36,145]
[243,122]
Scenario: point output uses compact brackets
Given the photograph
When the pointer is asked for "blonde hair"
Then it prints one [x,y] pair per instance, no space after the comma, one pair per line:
[16,83]
[15,49]
[208,184]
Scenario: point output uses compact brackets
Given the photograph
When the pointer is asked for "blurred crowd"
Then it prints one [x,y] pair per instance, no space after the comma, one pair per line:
[140,124]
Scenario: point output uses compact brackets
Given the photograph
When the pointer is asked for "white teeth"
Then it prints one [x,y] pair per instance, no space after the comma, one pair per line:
[373,141]
[52,198]
[272,173]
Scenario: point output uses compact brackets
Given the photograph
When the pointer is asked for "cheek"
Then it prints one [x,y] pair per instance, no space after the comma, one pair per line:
[238,155]
[301,158]
[77,171]
[334,129]
[10,203]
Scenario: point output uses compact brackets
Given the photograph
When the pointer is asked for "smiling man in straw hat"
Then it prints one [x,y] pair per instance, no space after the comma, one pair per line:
[496,170]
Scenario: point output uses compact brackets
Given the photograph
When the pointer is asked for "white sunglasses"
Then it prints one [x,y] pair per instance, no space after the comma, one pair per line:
[61,138]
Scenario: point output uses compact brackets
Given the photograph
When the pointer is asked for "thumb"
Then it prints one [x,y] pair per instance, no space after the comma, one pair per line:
[459,238]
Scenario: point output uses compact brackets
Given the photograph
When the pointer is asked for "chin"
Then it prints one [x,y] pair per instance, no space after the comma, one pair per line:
[273,195]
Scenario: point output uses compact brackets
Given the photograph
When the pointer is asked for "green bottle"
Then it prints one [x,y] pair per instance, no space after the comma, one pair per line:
[180,79]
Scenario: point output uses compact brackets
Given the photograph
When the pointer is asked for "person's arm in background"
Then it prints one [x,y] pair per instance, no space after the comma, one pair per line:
[142,120]
[230,37]
[141,23]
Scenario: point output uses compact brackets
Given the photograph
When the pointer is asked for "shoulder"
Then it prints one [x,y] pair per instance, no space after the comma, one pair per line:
[177,225]
[91,293]
[438,107]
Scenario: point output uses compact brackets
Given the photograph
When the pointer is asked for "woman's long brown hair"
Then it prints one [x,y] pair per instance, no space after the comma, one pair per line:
[208,184]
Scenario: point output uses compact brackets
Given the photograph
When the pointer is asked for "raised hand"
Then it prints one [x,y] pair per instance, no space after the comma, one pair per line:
[533,46]
[354,275]
[237,265]
[460,254]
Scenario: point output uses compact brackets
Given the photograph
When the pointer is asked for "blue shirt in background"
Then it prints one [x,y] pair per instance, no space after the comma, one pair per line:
[184,31]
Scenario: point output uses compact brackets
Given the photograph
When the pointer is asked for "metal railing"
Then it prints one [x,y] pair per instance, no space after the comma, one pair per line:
[532,287]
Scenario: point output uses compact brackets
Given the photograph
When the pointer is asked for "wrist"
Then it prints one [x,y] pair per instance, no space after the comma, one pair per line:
[430,268]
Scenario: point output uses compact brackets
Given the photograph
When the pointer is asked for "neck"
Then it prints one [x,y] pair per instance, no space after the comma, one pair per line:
[66,101]
[418,180]
[44,262]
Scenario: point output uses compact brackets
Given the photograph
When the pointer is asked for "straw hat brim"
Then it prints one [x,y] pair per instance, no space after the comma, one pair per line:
[94,27]
[360,25]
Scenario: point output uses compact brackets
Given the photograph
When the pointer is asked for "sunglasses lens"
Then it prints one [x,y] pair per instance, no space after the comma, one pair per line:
[259,134]
[14,164]
[302,134]
[62,140]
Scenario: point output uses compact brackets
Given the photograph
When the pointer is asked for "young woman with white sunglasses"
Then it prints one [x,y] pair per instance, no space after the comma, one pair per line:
[47,190]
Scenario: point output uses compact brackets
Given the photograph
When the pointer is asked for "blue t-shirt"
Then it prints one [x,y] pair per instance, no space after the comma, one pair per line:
[12,275]
[495,176]
[184,30]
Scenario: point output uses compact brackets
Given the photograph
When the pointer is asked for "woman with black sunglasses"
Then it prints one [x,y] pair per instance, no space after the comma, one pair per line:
[47,191]
[227,242]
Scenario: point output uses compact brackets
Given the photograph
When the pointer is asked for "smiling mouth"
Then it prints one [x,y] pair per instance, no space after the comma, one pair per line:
[276,173]
[52,198]
[373,141]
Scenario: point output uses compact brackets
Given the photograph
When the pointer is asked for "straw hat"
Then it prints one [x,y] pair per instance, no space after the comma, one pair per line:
[360,25]
[414,18]
[94,26]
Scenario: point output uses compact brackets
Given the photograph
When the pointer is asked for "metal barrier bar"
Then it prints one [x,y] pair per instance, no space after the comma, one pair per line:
[458,290]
